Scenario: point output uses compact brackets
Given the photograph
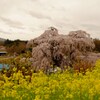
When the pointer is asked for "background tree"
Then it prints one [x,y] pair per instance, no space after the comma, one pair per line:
[16,46]
[97,45]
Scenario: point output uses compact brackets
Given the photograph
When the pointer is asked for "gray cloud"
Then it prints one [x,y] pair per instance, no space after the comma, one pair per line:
[38,15]
[34,16]
[11,23]
[92,27]
[4,32]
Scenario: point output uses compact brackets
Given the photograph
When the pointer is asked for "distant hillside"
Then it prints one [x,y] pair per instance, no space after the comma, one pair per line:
[2,40]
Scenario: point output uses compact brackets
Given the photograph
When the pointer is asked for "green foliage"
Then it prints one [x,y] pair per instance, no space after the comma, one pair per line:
[97,45]
[19,63]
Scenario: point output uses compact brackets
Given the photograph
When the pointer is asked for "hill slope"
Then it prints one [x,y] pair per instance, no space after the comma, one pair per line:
[2,40]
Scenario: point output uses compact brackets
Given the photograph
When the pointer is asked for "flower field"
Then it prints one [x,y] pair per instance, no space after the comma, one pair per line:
[59,86]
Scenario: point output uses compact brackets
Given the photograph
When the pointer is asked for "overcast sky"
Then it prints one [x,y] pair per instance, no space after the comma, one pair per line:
[27,19]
